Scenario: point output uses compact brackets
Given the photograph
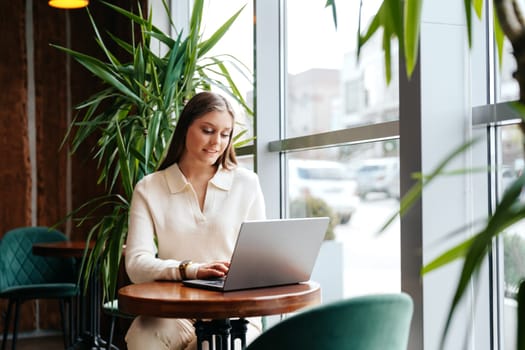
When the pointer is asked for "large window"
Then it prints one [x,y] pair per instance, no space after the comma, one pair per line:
[331,123]
[342,173]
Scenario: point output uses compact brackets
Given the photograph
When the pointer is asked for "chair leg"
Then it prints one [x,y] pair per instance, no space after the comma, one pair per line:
[7,321]
[62,303]
[111,330]
[15,329]
[72,327]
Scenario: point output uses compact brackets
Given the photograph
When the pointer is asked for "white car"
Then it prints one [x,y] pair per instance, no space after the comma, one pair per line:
[379,175]
[326,180]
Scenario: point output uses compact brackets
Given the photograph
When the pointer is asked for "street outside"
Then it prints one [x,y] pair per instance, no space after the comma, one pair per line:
[371,260]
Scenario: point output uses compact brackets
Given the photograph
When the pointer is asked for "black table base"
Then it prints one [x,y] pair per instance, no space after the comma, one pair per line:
[88,329]
[219,333]
[89,342]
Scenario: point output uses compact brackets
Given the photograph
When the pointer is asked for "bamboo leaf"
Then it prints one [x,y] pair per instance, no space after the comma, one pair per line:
[130,15]
[140,69]
[100,70]
[499,38]
[468,16]
[100,42]
[388,63]
[393,18]
[124,168]
[121,43]
[412,11]
[372,29]
[195,21]
[167,40]
[459,251]
[478,7]
[151,138]
[234,90]
[389,17]
[331,3]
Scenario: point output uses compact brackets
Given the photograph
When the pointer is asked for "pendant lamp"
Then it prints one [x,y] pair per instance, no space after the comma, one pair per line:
[68,4]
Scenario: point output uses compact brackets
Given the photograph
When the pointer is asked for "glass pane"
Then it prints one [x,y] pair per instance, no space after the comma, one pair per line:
[245,162]
[513,240]
[326,87]
[358,188]
[235,49]
[508,86]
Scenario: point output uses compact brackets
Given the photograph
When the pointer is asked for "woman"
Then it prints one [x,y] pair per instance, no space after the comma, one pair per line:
[184,218]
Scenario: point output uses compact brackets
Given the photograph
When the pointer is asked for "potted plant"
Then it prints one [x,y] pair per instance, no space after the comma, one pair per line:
[310,206]
[328,269]
[133,118]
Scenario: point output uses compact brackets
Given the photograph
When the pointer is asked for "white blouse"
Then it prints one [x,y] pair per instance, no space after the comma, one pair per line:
[165,209]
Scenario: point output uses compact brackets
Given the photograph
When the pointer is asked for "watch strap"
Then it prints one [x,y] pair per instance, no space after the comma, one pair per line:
[182,268]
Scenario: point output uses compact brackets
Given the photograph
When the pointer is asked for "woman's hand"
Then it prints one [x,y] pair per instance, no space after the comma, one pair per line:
[213,269]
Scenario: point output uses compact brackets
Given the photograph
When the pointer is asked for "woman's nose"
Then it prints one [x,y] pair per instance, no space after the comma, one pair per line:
[216,138]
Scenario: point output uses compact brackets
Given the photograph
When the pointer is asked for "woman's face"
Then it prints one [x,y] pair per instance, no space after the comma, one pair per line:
[208,137]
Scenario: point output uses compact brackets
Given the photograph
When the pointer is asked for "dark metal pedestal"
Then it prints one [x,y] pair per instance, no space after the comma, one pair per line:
[220,333]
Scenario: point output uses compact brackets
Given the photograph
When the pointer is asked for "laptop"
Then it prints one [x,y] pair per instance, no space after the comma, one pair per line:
[270,253]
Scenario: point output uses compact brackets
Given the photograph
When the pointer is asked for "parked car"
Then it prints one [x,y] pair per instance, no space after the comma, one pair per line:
[508,176]
[326,180]
[378,175]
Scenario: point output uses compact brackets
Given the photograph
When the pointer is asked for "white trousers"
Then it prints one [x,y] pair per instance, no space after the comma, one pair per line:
[154,333]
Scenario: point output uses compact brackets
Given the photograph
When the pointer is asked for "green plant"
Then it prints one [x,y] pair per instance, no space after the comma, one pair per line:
[310,206]
[134,116]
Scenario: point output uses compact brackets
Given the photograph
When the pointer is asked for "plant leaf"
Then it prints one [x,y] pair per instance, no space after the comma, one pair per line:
[412,10]
[499,37]
[100,69]
[331,3]
[389,17]
[459,251]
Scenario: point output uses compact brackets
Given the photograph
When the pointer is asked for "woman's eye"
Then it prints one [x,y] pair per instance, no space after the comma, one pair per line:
[225,135]
[208,131]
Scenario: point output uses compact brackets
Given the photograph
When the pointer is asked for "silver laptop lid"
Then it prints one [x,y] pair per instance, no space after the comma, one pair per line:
[275,252]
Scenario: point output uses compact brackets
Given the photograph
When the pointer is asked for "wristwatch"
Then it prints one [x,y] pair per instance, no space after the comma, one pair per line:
[182,268]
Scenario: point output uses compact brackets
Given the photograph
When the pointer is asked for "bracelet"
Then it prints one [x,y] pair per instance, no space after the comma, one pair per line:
[182,268]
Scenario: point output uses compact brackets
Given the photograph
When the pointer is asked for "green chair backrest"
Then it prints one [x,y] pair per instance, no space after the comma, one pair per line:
[18,265]
[362,323]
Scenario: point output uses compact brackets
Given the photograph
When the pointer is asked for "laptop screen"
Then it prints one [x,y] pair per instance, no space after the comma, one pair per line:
[274,252]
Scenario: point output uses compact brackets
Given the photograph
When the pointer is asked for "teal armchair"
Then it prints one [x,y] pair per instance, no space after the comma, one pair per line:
[369,322]
[24,276]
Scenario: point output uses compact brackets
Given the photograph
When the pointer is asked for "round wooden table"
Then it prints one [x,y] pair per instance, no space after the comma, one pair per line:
[62,249]
[174,300]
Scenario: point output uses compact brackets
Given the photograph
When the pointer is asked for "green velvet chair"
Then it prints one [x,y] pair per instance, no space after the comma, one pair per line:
[24,276]
[371,322]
